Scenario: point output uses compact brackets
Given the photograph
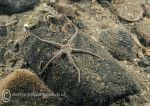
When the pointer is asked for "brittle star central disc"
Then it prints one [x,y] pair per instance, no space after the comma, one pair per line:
[66,49]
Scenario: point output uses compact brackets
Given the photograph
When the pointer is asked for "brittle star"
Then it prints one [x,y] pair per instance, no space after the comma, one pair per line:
[65,49]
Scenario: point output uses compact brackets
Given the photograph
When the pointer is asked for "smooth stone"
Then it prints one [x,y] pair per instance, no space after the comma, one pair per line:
[130,11]
[22,87]
[119,43]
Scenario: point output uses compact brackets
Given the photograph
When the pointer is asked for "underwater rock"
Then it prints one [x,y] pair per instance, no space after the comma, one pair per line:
[147,10]
[22,87]
[102,80]
[130,11]
[119,43]
[16,6]
[143,30]
[144,62]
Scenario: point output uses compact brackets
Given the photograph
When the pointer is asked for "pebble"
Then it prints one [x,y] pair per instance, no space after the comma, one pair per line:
[147,69]
[147,10]
[144,62]
[130,11]
[52,1]
[31,22]
[143,28]
[66,9]
[140,54]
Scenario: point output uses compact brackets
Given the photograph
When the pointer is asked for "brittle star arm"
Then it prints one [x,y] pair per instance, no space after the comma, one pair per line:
[74,64]
[76,31]
[75,34]
[84,51]
[48,42]
[53,58]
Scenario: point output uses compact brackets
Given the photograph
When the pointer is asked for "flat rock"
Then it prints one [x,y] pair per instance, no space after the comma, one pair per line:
[23,87]
[119,43]
[16,6]
[103,80]
[130,11]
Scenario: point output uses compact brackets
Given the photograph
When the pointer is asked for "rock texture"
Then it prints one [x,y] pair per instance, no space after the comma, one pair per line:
[130,11]
[16,6]
[119,43]
[3,29]
[143,30]
[103,80]
[22,87]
